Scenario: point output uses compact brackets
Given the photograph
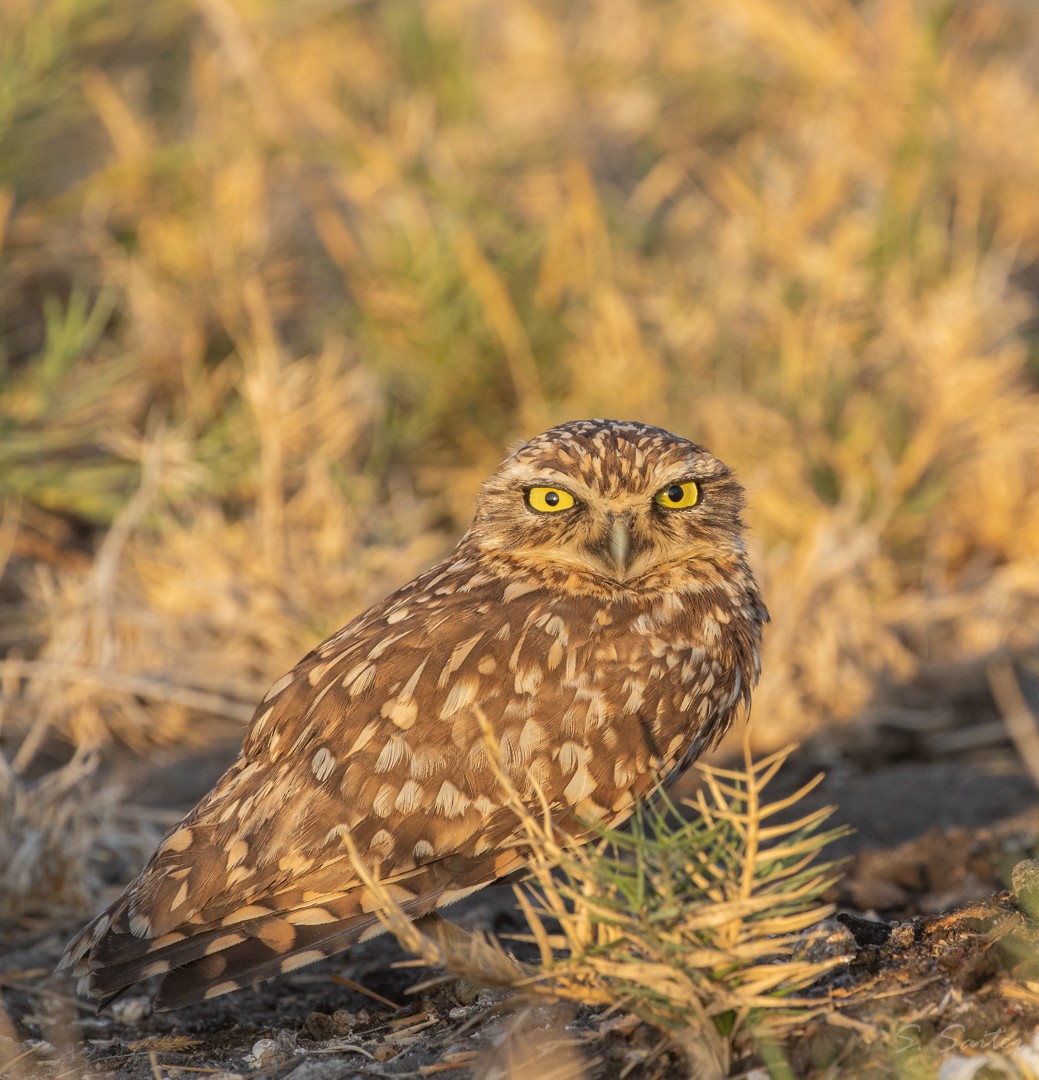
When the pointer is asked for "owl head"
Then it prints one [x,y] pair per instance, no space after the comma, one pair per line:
[618,500]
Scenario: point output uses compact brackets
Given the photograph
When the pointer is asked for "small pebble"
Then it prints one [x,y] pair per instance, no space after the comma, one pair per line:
[264,1052]
[461,1012]
[344,1021]
[384,1052]
[319,1025]
[833,940]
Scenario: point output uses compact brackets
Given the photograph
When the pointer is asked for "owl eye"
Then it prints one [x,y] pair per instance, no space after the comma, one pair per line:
[549,500]
[678,496]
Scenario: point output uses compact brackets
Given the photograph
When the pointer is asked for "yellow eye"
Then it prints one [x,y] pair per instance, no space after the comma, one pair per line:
[679,496]
[547,500]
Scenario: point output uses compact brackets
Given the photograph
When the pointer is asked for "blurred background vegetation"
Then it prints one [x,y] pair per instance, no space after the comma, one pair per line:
[281,283]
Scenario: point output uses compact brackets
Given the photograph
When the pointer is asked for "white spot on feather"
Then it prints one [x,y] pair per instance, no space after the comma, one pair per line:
[528,680]
[178,841]
[322,763]
[424,763]
[236,853]
[359,678]
[290,963]
[376,651]
[450,801]
[409,797]
[457,658]
[382,804]
[409,686]
[532,738]
[311,917]
[140,924]
[318,671]
[382,842]
[401,711]
[589,811]
[260,722]
[515,589]
[452,896]
[635,698]
[579,787]
[572,755]
[461,694]
[238,873]
[244,914]
[362,740]
[285,680]
[224,941]
[391,754]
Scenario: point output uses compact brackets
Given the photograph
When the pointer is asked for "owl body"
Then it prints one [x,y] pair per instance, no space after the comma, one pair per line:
[585,639]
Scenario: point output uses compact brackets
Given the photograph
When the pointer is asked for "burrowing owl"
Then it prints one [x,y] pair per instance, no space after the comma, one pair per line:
[599,613]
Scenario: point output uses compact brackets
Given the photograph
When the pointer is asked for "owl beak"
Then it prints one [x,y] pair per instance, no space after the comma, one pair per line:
[620,544]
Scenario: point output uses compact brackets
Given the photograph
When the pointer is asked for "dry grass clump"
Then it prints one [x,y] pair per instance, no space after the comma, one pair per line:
[168,634]
[45,841]
[57,831]
[700,925]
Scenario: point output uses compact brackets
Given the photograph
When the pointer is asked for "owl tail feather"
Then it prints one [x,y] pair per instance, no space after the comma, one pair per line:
[205,962]
[253,960]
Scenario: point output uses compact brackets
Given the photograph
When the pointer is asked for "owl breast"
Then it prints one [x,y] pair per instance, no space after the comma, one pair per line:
[632,688]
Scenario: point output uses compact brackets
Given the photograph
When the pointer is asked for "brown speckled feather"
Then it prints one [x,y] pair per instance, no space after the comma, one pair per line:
[601,665]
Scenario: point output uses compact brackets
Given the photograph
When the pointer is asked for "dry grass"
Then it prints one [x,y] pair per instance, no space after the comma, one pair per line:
[280,283]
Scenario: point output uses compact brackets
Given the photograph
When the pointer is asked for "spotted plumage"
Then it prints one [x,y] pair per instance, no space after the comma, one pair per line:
[599,615]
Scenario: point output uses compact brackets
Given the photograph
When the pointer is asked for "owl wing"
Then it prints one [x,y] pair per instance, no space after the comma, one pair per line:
[375,736]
